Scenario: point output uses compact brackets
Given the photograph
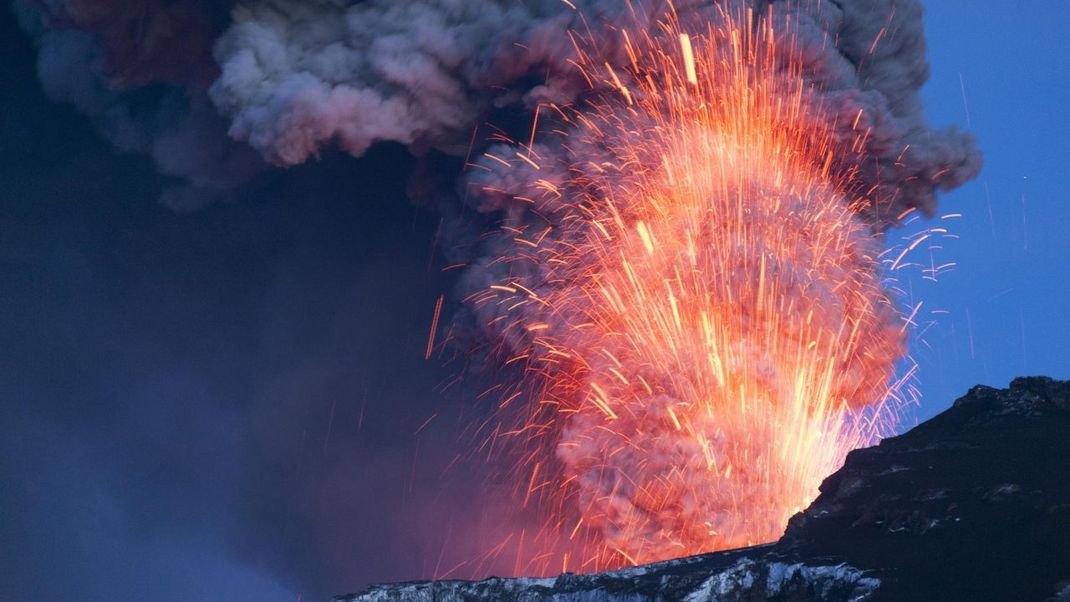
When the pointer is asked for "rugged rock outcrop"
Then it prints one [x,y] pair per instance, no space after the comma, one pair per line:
[973,504]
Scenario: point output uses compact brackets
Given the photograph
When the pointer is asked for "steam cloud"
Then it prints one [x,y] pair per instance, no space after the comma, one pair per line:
[212,90]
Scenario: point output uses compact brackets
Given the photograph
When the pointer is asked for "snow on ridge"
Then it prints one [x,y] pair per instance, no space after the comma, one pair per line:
[660,582]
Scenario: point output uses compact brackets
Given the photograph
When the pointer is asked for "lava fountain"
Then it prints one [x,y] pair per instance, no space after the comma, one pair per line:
[693,299]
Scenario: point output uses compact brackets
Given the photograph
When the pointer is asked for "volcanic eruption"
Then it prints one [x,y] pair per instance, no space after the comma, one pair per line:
[688,271]
[684,287]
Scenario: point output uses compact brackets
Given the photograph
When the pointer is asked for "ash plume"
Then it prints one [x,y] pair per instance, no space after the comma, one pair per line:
[861,67]
[215,91]
[299,76]
[864,64]
[870,56]
[573,295]
[292,78]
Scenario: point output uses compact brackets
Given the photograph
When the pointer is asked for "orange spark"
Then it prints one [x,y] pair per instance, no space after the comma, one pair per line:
[434,328]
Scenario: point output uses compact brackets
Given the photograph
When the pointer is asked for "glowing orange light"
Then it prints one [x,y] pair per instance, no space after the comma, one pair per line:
[702,322]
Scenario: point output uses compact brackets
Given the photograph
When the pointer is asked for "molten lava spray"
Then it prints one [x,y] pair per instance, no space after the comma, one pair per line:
[694,298]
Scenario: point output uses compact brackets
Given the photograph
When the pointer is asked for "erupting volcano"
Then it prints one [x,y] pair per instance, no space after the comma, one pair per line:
[690,278]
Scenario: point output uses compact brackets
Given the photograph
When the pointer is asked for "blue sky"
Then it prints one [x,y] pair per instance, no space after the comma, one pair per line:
[1001,70]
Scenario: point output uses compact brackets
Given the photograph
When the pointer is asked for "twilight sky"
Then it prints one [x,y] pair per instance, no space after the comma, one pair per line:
[223,405]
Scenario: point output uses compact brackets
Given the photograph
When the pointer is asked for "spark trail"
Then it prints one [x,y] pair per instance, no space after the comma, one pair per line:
[694,298]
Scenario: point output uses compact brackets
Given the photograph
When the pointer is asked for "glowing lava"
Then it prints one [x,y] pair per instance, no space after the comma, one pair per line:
[697,306]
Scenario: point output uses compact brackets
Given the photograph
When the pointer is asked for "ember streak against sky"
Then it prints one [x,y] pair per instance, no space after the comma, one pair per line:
[705,323]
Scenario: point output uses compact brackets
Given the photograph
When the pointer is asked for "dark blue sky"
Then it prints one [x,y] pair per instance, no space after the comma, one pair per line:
[221,405]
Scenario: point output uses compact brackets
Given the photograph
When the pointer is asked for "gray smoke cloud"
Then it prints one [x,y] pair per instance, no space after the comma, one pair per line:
[139,70]
[870,56]
[297,77]
[293,78]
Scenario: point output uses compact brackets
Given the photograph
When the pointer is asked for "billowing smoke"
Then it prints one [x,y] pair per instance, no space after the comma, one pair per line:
[213,91]
[869,57]
[292,78]
[298,76]
[139,70]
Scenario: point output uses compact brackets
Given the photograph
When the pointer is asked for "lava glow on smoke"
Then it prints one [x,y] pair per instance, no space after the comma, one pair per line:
[698,311]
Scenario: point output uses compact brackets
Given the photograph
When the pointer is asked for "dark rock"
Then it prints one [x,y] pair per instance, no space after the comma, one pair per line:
[970,505]
[973,504]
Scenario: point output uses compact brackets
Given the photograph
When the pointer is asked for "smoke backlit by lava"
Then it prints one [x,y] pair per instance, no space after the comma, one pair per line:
[695,297]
